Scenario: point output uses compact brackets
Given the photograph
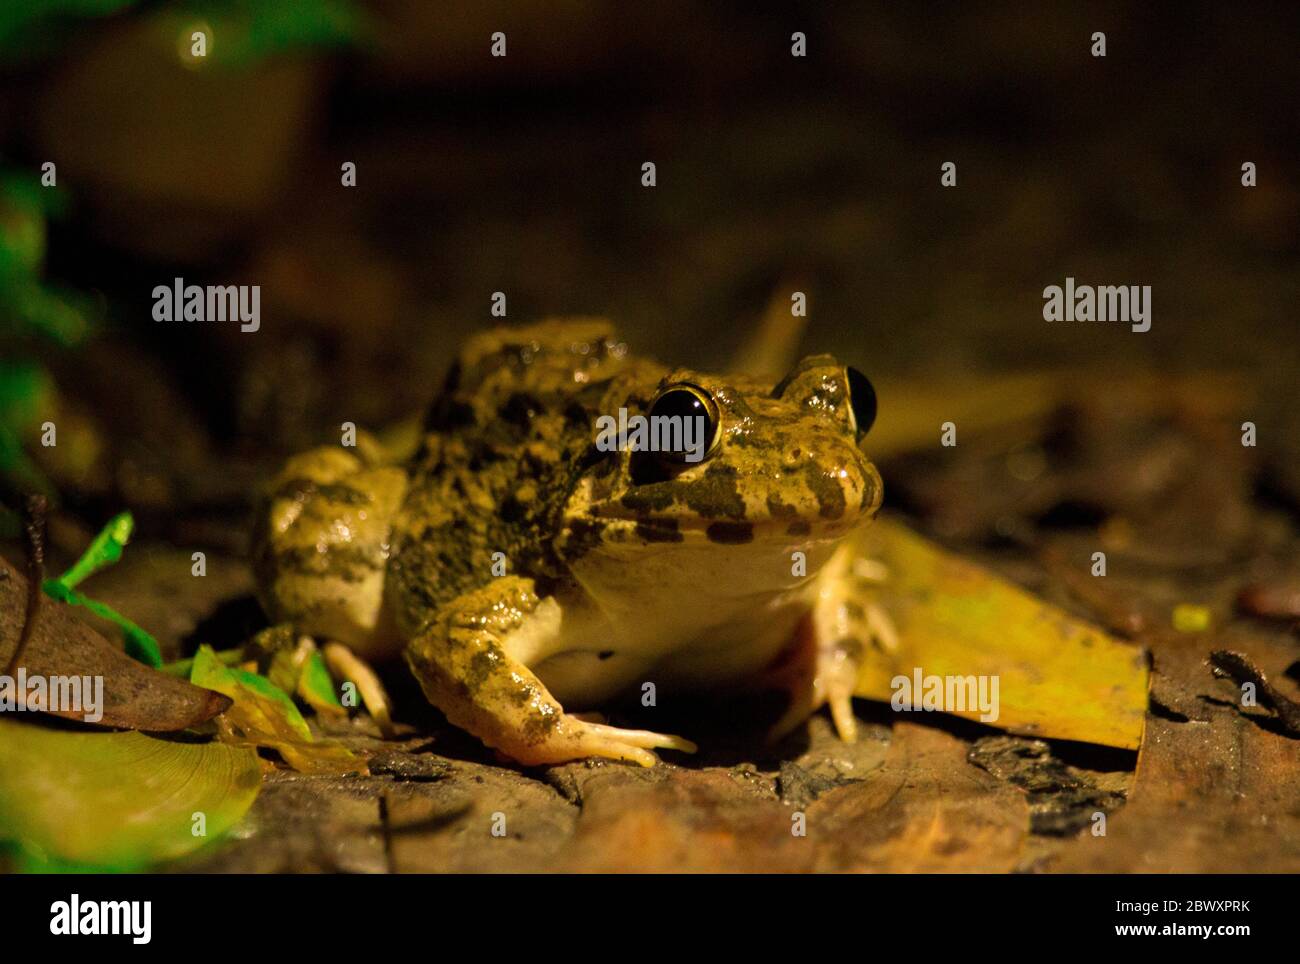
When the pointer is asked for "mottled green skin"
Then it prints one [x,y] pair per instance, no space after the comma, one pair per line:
[506,443]
[599,548]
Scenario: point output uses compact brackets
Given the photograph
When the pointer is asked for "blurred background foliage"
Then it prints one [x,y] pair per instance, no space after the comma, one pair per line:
[521,174]
[250,29]
[38,317]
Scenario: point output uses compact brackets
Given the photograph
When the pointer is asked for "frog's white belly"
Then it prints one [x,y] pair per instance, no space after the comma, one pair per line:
[586,669]
[680,620]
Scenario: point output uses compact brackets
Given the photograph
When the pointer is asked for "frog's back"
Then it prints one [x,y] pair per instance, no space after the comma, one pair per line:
[504,444]
[548,363]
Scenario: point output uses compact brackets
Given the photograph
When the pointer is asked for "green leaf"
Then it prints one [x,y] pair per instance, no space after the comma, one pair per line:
[28,24]
[184,667]
[293,663]
[262,714]
[211,673]
[270,29]
[104,550]
[140,645]
[316,686]
[25,388]
[116,801]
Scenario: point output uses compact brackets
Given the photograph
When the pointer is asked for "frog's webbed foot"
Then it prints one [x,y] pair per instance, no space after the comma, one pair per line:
[465,661]
[346,665]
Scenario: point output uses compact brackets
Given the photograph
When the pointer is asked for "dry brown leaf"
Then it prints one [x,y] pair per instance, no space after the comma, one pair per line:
[135,697]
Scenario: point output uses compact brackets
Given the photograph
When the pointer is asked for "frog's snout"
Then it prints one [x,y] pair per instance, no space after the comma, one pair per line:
[873,494]
[863,489]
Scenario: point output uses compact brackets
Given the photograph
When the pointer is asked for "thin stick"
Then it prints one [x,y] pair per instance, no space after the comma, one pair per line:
[35,509]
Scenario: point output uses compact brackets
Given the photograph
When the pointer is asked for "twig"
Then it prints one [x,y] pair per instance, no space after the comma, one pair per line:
[1240,669]
[35,509]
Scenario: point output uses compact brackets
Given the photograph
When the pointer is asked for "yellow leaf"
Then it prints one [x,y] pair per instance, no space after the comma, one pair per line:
[118,801]
[1057,676]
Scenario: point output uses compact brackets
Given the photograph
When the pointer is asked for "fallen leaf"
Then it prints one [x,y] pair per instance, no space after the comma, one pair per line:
[1058,677]
[1213,795]
[117,801]
[927,810]
[1275,599]
[912,410]
[316,686]
[262,714]
[135,696]
[106,550]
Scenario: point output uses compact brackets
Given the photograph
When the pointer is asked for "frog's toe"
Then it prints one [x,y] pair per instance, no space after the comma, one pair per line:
[611,742]
[646,738]
[805,703]
[346,665]
[881,627]
[814,676]
[846,724]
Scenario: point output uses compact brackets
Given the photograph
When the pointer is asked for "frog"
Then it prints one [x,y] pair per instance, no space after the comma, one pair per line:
[530,574]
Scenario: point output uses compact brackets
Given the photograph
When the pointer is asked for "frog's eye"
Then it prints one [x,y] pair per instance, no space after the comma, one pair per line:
[862,401]
[673,425]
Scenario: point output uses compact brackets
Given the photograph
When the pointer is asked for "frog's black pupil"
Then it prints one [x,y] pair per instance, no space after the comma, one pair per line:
[863,399]
[682,403]
[679,402]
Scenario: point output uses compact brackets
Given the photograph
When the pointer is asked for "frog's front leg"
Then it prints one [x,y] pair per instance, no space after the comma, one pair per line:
[821,667]
[463,660]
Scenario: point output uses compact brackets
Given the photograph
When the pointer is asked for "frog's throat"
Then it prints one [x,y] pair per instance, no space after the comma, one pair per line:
[793,532]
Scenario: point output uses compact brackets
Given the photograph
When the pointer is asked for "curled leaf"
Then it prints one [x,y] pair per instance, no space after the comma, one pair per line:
[294,664]
[140,645]
[262,714]
[104,550]
[183,667]
[117,801]
[1239,668]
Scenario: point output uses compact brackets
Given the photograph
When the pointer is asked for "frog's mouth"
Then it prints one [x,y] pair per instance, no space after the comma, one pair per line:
[668,530]
[696,571]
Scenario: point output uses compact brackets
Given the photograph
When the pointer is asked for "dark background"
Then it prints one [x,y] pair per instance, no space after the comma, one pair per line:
[522,175]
